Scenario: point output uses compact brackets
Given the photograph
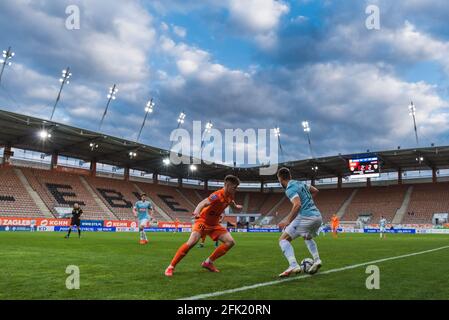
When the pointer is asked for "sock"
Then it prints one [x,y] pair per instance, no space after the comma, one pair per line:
[70,230]
[79,232]
[220,251]
[181,253]
[313,249]
[289,253]
[141,235]
[144,235]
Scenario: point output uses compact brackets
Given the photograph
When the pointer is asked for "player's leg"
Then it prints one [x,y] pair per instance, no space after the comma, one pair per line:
[311,227]
[285,240]
[79,229]
[70,231]
[203,239]
[227,242]
[182,251]
[142,234]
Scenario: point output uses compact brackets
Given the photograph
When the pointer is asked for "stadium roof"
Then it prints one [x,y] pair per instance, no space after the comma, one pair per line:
[21,131]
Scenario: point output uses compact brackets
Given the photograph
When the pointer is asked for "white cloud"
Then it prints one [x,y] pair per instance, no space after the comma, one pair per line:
[259,18]
[179,31]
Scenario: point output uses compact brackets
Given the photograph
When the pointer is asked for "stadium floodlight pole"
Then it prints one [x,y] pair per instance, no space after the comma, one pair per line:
[306,127]
[412,112]
[111,96]
[148,109]
[207,130]
[277,133]
[7,55]
[64,79]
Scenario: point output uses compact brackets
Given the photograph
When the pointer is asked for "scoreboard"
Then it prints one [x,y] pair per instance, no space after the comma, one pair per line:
[368,167]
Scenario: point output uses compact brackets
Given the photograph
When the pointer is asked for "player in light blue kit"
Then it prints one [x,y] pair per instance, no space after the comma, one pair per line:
[143,211]
[303,221]
[382,226]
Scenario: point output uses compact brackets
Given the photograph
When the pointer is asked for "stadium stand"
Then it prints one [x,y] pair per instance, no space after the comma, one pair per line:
[376,201]
[426,200]
[14,199]
[60,189]
[169,200]
[118,195]
[329,201]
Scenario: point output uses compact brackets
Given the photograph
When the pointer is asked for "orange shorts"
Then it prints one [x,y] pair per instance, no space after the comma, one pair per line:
[212,231]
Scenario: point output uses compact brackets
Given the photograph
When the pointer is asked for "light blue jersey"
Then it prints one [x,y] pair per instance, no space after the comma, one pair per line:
[301,190]
[142,208]
[383,223]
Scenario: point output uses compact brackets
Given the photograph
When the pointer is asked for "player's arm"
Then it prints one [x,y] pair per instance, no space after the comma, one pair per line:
[313,190]
[203,204]
[296,206]
[135,211]
[235,206]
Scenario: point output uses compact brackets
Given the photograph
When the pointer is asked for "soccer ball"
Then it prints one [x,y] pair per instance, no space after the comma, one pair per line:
[306,264]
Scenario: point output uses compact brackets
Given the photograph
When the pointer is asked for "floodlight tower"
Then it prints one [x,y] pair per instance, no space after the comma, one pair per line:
[277,133]
[412,112]
[111,96]
[148,109]
[306,127]
[207,130]
[7,55]
[64,79]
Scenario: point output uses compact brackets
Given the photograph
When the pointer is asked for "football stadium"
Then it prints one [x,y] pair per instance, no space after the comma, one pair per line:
[134,190]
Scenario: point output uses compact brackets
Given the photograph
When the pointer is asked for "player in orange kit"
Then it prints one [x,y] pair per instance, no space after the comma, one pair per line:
[207,215]
[335,222]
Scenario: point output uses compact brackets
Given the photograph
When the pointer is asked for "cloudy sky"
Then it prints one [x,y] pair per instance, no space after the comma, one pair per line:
[240,63]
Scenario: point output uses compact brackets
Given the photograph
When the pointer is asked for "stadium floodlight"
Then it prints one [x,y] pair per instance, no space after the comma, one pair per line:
[148,109]
[277,132]
[93,146]
[209,126]
[132,154]
[6,56]
[44,134]
[315,168]
[181,118]
[66,74]
[207,129]
[412,112]
[166,161]
[111,96]
[306,126]
[307,130]
[193,167]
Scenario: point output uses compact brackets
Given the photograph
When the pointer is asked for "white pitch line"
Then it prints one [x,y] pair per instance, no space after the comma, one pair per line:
[264,284]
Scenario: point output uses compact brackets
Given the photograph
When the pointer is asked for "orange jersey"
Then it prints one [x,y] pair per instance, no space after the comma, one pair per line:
[211,214]
[335,221]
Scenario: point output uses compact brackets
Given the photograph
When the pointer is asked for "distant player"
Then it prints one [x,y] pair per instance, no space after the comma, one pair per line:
[76,220]
[304,220]
[143,211]
[335,223]
[382,227]
[207,214]
[176,225]
[33,225]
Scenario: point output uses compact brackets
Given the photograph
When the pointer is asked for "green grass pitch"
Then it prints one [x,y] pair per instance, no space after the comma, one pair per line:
[115,266]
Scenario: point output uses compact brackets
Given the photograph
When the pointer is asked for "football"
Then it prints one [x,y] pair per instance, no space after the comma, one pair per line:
[306,264]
